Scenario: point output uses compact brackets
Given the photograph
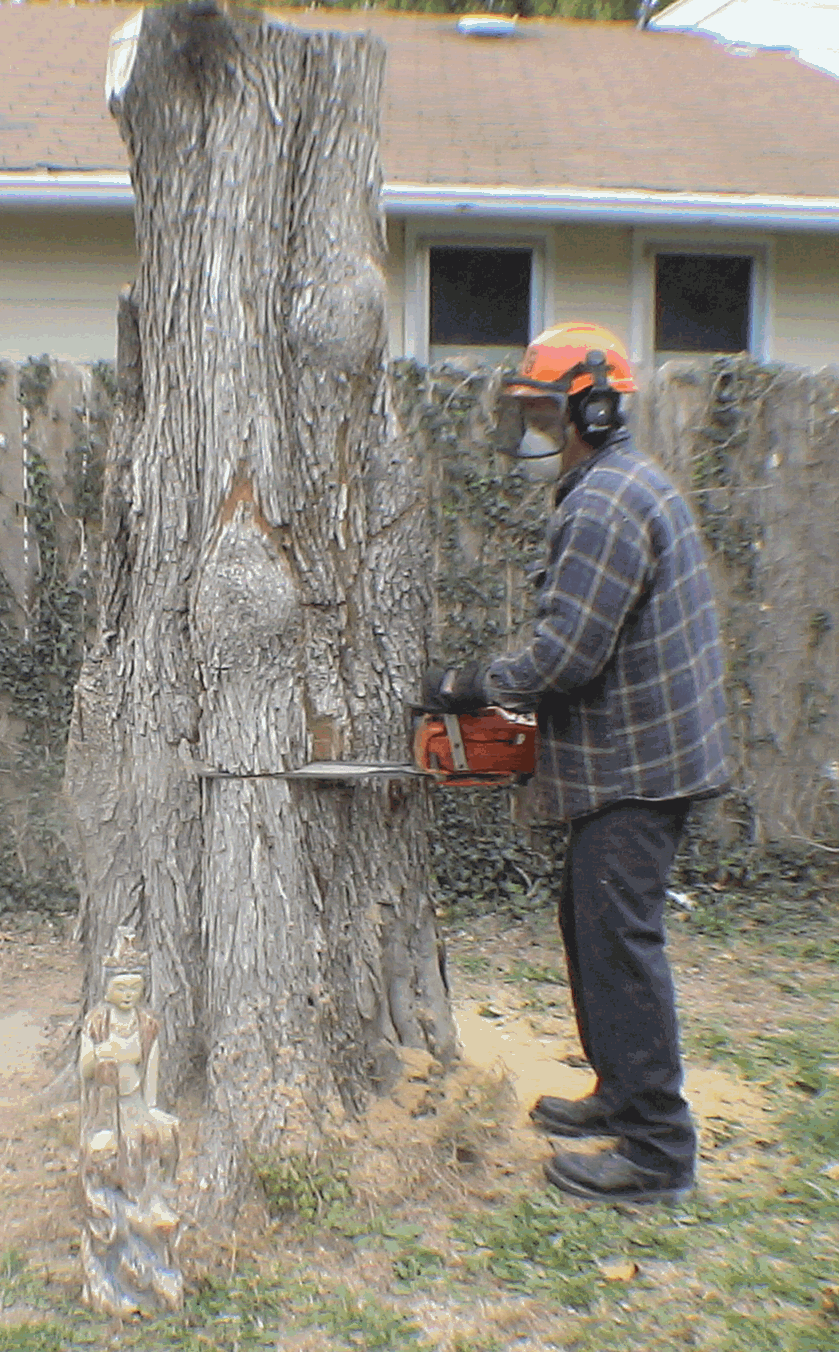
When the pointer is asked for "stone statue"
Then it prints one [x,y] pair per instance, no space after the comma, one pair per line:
[128,1150]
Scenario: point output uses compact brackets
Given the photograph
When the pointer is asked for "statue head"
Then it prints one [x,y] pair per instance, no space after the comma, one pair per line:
[125,989]
[126,971]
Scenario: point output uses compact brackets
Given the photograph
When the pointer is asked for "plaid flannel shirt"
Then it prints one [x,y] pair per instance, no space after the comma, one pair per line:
[625,664]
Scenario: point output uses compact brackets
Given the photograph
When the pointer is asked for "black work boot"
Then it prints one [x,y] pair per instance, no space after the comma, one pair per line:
[572,1117]
[611,1177]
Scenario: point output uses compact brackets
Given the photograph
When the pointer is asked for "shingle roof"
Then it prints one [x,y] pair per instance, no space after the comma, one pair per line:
[560,104]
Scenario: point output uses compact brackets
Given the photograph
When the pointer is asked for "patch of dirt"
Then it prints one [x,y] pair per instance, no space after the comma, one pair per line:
[538,1048]
[40,981]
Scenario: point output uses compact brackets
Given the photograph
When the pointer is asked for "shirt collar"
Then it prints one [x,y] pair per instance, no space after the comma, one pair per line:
[569,481]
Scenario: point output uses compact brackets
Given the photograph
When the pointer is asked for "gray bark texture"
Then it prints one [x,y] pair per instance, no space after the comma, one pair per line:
[264,597]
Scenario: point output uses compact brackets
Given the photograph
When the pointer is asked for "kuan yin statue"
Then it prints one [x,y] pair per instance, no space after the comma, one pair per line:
[128,1150]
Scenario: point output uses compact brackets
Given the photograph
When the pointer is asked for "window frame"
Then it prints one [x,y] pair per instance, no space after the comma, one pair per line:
[421,237]
[647,244]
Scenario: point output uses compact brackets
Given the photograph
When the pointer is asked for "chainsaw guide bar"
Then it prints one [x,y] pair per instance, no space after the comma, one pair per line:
[486,747]
[330,771]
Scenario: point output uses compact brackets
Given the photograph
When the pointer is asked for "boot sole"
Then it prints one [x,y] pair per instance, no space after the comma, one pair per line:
[642,1196]
[568,1129]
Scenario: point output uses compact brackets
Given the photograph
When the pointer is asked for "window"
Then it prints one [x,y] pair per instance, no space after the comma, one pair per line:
[480,295]
[702,302]
[479,298]
[700,291]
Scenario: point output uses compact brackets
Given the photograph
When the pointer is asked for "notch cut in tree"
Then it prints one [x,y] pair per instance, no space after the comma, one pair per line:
[264,593]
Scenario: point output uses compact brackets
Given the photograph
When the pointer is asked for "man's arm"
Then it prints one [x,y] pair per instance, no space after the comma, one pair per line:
[598,571]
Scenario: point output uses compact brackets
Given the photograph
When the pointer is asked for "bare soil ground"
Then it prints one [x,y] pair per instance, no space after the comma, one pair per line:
[464,1148]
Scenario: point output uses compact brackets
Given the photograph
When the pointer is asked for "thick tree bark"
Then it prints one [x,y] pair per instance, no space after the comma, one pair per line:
[264,596]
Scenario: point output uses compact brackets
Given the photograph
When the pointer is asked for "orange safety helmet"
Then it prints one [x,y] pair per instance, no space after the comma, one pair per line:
[557,362]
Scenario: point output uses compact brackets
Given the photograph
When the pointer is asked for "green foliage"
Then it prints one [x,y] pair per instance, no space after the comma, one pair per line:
[486,1343]
[539,1245]
[800,1063]
[246,1309]
[488,524]
[23,1293]
[37,669]
[18,1283]
[542,986]
[565,9]
[254,1306]
[481,861]
[796,1059]
[367,1323]
[47,1337]
[105,376]
[12,1263]
[40,650]
[770,1264]
[530,972]
[736,886]
[35,383]
[417,1265]
[310,1187]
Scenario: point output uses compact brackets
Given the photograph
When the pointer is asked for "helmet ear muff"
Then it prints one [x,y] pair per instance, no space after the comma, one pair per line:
[600,411]
[598,404]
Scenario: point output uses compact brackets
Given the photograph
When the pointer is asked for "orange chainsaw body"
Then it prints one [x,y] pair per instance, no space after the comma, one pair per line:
[489,746]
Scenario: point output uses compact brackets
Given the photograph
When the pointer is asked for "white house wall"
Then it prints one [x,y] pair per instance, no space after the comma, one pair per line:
[807,300]
[594,281]
[593,277]
[61,273]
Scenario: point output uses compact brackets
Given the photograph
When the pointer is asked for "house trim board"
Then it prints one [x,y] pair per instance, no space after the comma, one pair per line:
[472,202]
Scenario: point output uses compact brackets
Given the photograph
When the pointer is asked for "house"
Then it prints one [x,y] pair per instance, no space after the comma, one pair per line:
[807,28]
[682,193]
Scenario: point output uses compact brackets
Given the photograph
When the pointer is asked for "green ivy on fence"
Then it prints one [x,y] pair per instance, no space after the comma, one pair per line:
[487,524]
[41,649]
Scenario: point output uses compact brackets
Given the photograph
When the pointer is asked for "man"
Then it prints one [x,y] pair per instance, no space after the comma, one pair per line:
[625,670]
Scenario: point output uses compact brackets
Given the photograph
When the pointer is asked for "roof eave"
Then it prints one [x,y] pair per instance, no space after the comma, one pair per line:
[616,206]
[113,191]
[66,190]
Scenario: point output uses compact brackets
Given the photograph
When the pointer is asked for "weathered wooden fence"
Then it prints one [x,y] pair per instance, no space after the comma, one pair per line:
[754,446]
[757,449]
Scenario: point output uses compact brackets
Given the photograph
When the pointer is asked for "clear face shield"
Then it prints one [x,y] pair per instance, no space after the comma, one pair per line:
[526,437]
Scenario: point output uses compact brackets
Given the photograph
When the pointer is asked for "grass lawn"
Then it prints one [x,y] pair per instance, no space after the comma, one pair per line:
[429,1226]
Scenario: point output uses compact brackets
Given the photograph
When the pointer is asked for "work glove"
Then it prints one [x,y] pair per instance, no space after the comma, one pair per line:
[458,690]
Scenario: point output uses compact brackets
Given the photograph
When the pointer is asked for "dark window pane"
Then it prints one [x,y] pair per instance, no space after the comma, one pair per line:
[480,296]
[702,302]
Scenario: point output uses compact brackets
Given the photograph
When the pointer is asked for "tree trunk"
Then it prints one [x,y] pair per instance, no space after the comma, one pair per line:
[265,591]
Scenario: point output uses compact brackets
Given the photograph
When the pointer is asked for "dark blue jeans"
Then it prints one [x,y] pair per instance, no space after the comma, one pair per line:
[611,915]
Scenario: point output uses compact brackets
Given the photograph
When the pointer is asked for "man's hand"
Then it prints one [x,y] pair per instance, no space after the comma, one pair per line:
[459,690]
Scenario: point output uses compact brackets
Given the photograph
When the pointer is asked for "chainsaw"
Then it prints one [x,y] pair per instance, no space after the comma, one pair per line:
[489,746]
